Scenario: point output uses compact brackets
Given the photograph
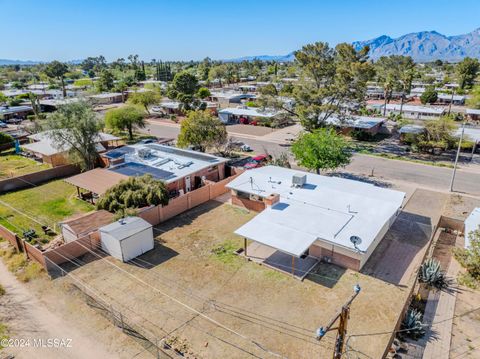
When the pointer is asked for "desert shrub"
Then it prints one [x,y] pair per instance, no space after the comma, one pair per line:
[431,275]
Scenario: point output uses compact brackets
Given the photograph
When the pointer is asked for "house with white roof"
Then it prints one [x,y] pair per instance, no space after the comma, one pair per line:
[473,114]
[228,97]
[244,114]
[44,147]
[368,124]
[414,112]
[308,215]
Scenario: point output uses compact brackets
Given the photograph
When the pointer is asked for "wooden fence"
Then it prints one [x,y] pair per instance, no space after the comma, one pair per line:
[36,178]
[158,214]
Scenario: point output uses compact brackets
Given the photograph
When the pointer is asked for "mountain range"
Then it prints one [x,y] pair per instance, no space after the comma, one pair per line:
[422,46]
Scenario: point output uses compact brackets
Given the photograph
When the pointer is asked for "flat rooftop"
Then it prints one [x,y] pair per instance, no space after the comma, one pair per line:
[362,122]
[166,163]
[325,208]
[413,108]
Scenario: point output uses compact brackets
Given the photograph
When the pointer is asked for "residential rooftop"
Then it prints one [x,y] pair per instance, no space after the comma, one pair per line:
[328,209]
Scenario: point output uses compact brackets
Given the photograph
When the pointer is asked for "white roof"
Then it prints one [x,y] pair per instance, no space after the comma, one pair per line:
[14,109]
[328,209]
[472,223]
[166,163]
[106,95]
[471,133]
[45,146]
[249,111]
[413,108]
[446,96]
[364,122]
[231,94]
[472,111]
[412,129]
[125,227]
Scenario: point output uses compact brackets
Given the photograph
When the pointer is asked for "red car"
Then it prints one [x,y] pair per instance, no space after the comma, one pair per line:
[257,161]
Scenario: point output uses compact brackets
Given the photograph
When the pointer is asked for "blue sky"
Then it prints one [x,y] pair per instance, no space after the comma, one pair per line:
[185,30]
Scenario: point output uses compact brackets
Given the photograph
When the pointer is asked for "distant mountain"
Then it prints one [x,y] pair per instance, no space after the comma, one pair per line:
[278,58]
[425,46]
[7,62]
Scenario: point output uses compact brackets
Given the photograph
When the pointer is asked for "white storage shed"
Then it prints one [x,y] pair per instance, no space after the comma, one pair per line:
[127,238]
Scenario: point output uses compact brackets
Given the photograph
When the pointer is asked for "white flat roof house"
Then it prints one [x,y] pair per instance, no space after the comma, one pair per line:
[414,112]
[232,114]
[338,220]
[366,123]
[472,223]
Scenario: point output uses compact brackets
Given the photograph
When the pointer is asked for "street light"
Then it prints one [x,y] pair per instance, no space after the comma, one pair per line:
[456,157]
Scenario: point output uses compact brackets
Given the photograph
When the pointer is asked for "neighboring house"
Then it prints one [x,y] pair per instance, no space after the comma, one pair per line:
[106,98]
[245,115]
[175,108]
[127,238]
[53,104]
[472,223]
[446,98]
[85,224]
[9,112]
[303,214]
[470,134]
[410,130]
[42,146]
[414,112]
[182,170]
[473,114]
[367,124]
[228,97]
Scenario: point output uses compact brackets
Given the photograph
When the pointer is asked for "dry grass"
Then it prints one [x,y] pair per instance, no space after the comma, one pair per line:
[17,263]
[193,261]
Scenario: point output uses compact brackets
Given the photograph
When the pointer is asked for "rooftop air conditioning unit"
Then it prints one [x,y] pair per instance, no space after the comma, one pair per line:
[144,153]
[298,180]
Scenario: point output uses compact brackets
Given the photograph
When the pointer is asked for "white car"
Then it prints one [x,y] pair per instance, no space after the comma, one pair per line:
[156,109]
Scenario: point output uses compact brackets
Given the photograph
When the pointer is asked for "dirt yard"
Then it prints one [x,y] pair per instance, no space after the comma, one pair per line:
[41,310]
[192,278]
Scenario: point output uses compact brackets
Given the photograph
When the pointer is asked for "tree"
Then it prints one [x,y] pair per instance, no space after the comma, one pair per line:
[203,93]
[331,79]
[57,70]
[429,96]
[75,127]
[472,102]
[202,130]
[145,99]
[125,118]
[134,192]
[467,71]
[321,149]
[185,83]
[106,81]
[3,98]
[5,138]
[438,134]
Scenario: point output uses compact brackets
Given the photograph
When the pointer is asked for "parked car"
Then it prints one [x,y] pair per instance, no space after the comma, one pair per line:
[156,109]
[257,161]
[245,148]
[146,141]
[3,124]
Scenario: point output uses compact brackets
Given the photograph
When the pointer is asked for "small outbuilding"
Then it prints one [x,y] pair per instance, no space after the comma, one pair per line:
[81,226]
[127,238]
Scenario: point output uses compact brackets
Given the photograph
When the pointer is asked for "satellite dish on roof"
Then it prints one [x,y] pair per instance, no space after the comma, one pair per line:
[356,240]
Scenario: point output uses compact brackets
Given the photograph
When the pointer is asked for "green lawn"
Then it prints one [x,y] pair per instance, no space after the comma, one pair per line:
[47,204]
[14,165]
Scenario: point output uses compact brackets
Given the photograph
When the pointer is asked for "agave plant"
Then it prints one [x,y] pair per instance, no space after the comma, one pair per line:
[412,325]
[431,274]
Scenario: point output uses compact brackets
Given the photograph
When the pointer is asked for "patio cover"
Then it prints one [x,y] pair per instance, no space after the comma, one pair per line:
[98,180]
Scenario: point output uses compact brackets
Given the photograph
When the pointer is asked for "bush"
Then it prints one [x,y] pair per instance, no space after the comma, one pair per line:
[431,274]
[412,325]
[135,192]
[360,135]
[5,138]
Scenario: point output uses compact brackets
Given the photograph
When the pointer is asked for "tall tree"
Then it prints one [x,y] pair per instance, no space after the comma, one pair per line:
[57,70]
[322,149]
[331,79]
[75,127]
[145,99]
[125,118]
[467,71]
[202,130]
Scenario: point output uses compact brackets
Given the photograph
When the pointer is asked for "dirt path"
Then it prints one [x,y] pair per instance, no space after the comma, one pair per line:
[28,318]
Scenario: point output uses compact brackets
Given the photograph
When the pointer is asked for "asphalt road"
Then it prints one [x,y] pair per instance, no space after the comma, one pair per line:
[437,178]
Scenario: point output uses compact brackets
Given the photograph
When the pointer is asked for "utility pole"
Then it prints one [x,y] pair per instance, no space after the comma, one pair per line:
[343,315]
[456,157]
[451,101]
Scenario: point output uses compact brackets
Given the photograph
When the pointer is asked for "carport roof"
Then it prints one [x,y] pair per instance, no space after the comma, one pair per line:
[98,180]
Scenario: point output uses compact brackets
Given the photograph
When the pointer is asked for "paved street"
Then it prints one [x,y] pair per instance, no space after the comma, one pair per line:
[437,178]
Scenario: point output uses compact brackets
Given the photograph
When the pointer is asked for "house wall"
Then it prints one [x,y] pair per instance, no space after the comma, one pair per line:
[335,255]
[252,205]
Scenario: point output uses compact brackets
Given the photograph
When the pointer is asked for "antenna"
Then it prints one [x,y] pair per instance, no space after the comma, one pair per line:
[356,240]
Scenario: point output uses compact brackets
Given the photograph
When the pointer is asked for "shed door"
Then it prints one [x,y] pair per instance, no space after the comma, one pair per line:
[188,184]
